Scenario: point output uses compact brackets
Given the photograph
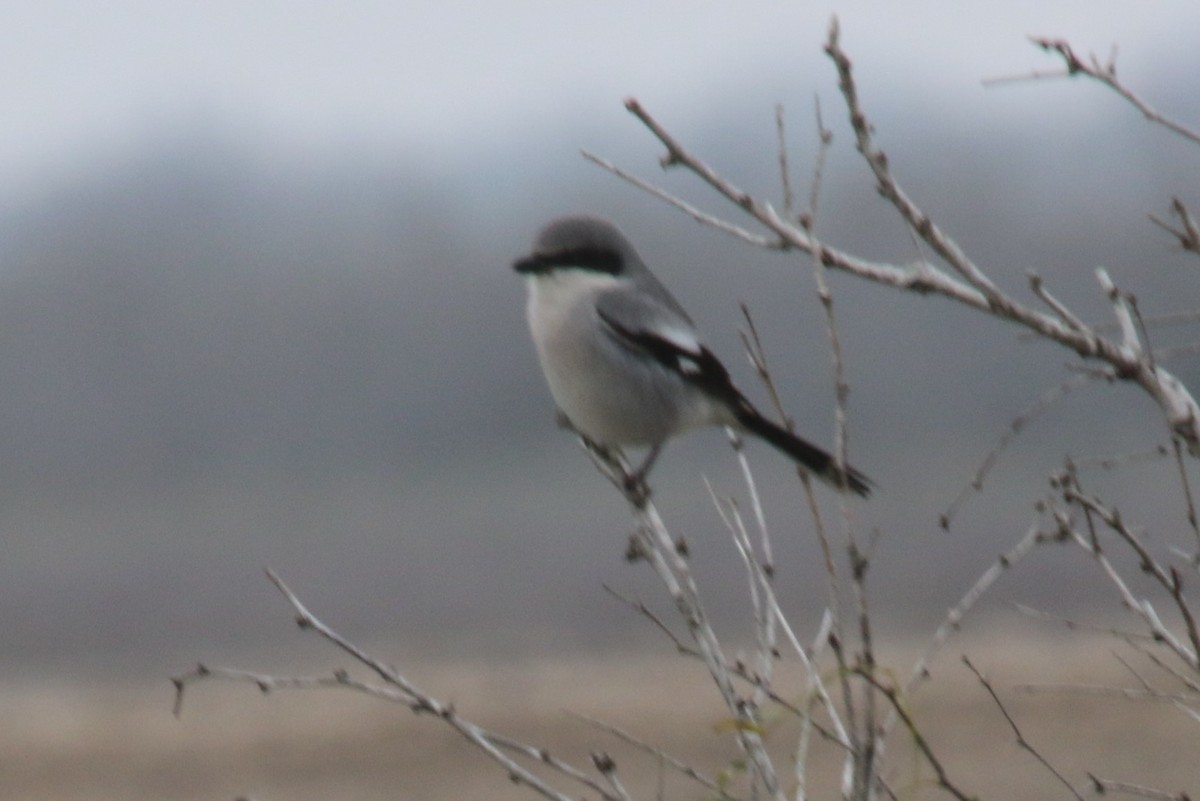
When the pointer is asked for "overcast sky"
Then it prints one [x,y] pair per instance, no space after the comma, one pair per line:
[89,79]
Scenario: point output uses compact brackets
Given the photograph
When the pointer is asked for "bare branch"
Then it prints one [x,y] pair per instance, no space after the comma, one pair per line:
[1133,638]
[841,386]
[1131,342]
[1112,462]
[647,613]
[743,673]
[682,767]
[969,284]
[687,208]
[1133,694]
[1188,232]
[608,769]
[400,689]
[757,355]
[1186,485]
[922,745]
[754,348]
[1012,724]
[654,543]
[890,189]
[1065,314]
[785,178]
[1106,74]
[1102,786]
[267,683]
[1018,424]
[825,136]
[1168,578]
[954,617]
[757,581]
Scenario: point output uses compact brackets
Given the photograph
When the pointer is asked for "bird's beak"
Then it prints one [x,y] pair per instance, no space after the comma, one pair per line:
[529,264]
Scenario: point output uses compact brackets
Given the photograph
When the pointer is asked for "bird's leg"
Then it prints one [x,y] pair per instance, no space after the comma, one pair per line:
[635,482]
[651,457]
[611,461]
[593,448]
[611,458]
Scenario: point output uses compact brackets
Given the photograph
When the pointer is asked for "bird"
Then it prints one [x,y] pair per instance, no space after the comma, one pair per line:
[624,362]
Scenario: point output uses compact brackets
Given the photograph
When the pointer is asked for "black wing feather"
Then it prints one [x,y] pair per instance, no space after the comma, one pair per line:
[700,368]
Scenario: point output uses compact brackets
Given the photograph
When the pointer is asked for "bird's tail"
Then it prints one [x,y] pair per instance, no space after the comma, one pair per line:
[805,454]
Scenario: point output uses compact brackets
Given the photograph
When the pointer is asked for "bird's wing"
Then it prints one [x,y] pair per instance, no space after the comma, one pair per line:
[655,332]
[648,328]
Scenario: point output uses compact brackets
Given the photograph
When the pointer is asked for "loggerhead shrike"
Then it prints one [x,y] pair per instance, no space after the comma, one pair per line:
[625,363]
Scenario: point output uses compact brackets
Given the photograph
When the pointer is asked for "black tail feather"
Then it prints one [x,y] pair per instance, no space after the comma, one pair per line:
[809,456]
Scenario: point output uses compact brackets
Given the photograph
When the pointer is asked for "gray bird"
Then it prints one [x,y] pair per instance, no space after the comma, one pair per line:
[624,362]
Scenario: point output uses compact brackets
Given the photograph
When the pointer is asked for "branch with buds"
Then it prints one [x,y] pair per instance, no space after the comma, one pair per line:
[957,278]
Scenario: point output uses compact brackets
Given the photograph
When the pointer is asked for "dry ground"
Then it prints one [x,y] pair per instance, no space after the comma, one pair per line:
[105,742]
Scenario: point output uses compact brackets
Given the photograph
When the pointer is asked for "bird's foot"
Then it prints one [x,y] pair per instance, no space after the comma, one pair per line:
[636,489]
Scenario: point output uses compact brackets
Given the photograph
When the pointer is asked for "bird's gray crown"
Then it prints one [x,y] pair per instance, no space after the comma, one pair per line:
[578,242]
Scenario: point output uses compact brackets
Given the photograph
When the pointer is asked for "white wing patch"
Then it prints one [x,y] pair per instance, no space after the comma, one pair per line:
[688,366]
[681,339]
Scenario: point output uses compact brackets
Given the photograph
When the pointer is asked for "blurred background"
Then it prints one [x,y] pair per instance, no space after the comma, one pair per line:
[256,309]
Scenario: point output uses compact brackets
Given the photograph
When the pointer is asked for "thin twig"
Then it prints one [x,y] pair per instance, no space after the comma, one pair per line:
[1190,682]
[741,672]
[825,139]
[398,688]
[1158,453]
[1057,306]
[647,613]
[757,354]
[608,769]
[267,683]
[1188,497]
[1074,625]
[758,359]
[968,285]
[1106,74]
[785,178]
[1188,232]
[1103,786]
[1131,693]
[756,578]
[1031,412]
[665,557]
[954,617]
[1168,579]
[922,745]
[687,208]
[679,765]
[1021,741]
